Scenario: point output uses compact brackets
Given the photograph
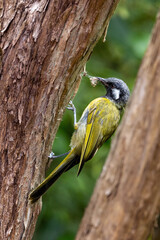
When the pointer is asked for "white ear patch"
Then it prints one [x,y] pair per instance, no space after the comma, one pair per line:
[116,93]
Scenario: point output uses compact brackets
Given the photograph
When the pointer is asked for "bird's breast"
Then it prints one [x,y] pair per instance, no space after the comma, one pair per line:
[105,120]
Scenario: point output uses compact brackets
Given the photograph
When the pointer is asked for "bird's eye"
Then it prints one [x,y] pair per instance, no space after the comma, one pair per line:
[111,85]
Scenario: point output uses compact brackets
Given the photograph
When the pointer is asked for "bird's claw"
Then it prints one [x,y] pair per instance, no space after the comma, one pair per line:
[71,106]
[51,155]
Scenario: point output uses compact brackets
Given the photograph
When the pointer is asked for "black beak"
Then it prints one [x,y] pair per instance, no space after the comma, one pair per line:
[103,81]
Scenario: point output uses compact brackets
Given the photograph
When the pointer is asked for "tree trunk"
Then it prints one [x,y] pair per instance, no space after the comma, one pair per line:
[126,199]
[44,47]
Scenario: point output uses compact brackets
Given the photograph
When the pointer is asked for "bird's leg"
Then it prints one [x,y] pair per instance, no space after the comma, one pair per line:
[53,156]
[72,107]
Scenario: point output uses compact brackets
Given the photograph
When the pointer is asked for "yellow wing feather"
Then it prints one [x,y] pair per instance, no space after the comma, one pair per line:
[100,111]
[91,138]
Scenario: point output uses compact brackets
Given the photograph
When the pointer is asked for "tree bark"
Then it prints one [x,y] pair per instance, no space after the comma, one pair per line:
[126,199]
[44,47]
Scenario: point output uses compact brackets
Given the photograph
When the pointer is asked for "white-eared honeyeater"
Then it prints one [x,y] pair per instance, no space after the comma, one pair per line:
[97,123]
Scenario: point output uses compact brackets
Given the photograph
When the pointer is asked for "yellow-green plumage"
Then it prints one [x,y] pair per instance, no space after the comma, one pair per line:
[98,122]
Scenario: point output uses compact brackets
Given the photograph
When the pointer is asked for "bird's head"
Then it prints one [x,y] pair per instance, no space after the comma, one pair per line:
[117,91]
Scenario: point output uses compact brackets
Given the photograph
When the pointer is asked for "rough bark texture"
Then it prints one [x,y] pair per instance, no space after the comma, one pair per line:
[126,199]
[45,45]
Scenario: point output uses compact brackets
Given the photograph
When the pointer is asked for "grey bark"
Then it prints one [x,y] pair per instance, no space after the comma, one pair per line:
[44,47]
[126,199]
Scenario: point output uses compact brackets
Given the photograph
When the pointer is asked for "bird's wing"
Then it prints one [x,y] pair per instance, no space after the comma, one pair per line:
[91,137]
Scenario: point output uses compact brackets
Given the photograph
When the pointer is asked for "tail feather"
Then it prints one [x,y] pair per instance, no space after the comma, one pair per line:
[55,174]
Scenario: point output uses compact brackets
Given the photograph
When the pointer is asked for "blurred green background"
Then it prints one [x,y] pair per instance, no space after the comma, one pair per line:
[120,56]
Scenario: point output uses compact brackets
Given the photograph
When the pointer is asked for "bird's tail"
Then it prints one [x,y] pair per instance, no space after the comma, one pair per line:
[55,174]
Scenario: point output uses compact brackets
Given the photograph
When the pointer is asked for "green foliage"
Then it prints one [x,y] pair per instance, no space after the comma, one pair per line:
[120,56]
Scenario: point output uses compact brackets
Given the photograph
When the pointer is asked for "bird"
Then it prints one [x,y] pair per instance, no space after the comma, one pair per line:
[96,125]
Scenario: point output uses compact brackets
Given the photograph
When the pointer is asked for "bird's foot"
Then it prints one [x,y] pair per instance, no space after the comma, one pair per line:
[53,156]
[72,107]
